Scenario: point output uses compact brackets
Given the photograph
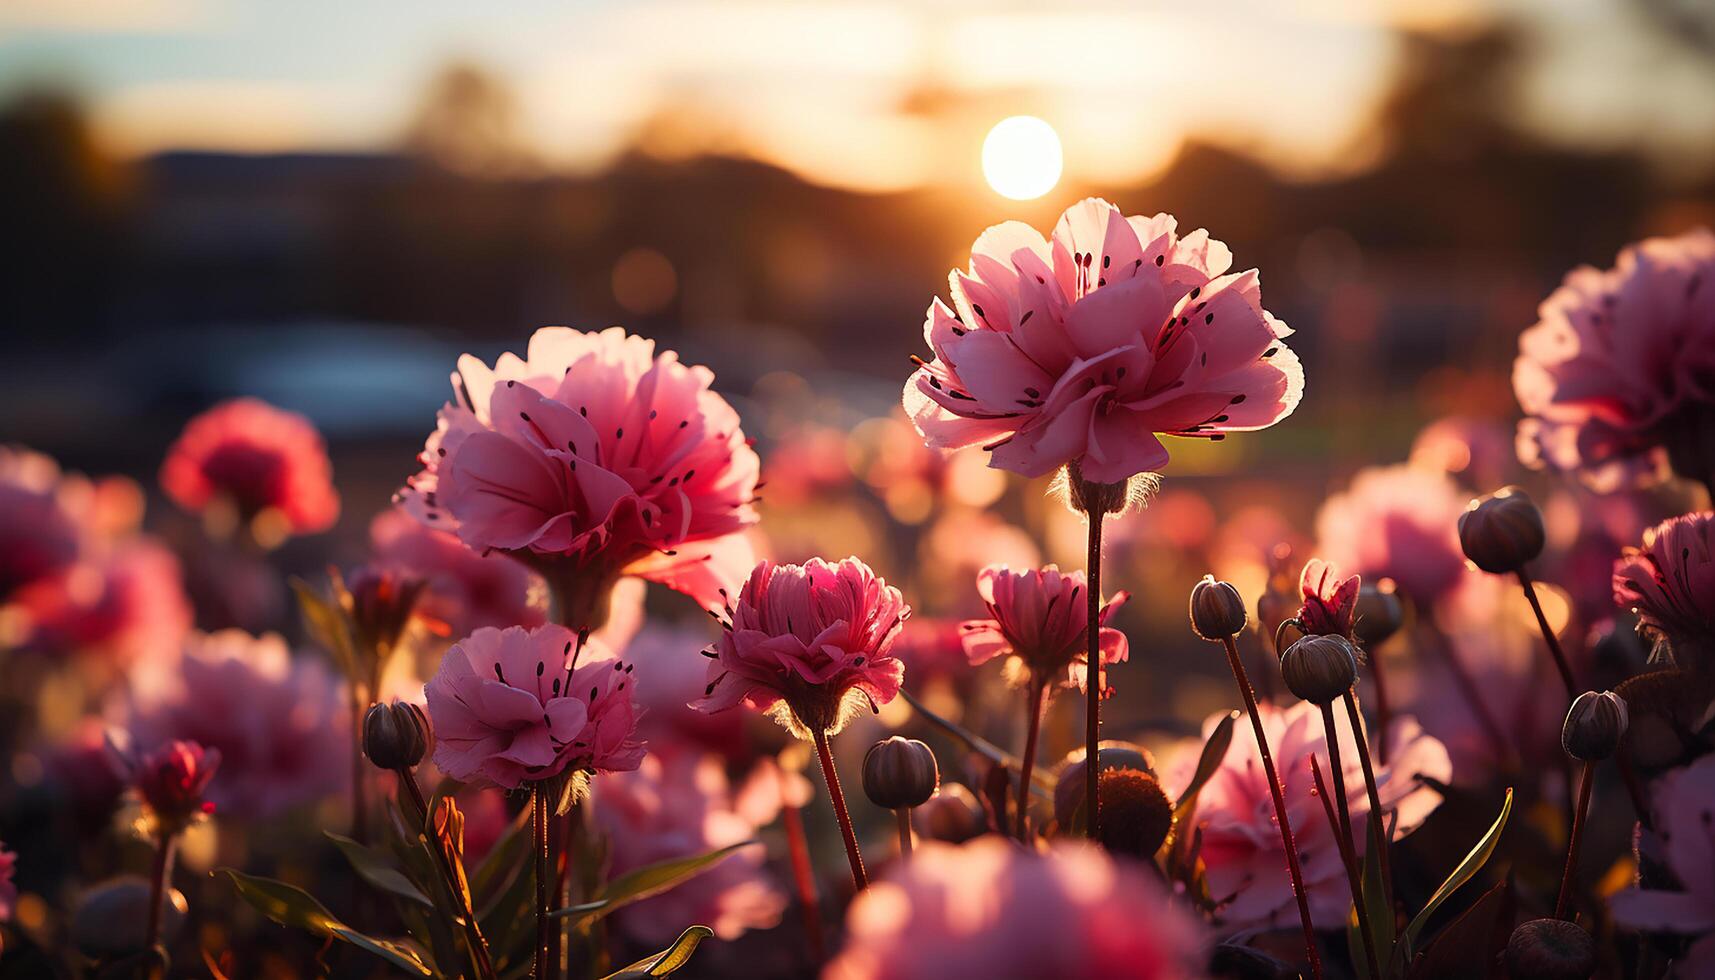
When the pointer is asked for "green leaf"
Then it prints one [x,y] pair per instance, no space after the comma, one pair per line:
[291,906]
[325,623]
[377,869]
[1214,750]
[668,960]
[647,881]
[1377,905]
[1466,870]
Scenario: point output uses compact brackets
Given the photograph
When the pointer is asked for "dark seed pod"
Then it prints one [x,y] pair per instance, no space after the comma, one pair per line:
[396,735]
[1217,610]
[1319,668]
[1069,785]
[1550,949]
[1502,531]
[899,772]
[1595,724]
[1136,814]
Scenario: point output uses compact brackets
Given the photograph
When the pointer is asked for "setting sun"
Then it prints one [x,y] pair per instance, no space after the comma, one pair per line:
[1021,158]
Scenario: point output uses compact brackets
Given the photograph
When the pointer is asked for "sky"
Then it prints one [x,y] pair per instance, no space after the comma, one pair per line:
[867,94]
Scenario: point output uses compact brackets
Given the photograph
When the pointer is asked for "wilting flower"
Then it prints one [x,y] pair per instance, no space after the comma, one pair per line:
[256,458]
[509,707]
[590,458]
[1397,522]
[8,890]
[991,909]
[1670,582]
[1683,840]
[1330,602]
[1618,374]
[1245,859]
[1088,346]
[678,804]
[1041,617]
[279,722]
[808,644]
[171,781]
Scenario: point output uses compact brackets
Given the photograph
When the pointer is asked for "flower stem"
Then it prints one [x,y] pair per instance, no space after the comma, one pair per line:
[904,815]
[1377,821]
[359,777]
[159,874]
[1548,635]
[1093,675]
[1033,706]
[1243,681]
[1473,696]
[1634,786]
[472,930]
[1348,846]
[1384,712]
[1578,816]
[805,879]
[832,778]
[539,830]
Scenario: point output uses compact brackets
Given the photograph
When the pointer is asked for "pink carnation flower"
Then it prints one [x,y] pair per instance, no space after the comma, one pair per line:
[1618,374]
[809,644]
[1330,602]
[125,604]
[1670,583]
[994,910]
[590,458]
[1245,859]
[1088,346]
[509,708]
[256,458]
[1398,522]
[678,804]
[464,591]
[1684,841]
[1040,617]
[279,723]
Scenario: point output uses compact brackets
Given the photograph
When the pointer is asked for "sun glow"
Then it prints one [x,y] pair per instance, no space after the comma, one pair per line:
[1021,158]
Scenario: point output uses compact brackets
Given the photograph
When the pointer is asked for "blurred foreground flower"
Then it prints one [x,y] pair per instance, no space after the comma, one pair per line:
[257,460]
[509,708]
[590,458]
[8,890]
[1245,859]
[1085,347]
[1683,841]
[1618,374]
[1670,584]
[990,909]
[278,721]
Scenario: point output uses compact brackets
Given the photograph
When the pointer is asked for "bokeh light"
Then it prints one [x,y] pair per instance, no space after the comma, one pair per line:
[1021,158]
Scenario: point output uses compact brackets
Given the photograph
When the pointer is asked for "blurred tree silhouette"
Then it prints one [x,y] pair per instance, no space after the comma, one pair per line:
[468,123]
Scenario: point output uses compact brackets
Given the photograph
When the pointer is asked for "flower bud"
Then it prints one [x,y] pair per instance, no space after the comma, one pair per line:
[1595,724]
[899,772]
[171,781]
[110,918]
[396,735]
[1136,814]
[380,602]
[1090,497]
[1381,612]
[1319,668]
[1550,949]
[1069,786]
[1502,531]
[953,814]
[1217,610]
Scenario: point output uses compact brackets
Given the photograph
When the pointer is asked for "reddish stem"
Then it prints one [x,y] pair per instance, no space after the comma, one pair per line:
[1298,892]
[159,873]
[1553,641]
[1349,846]
[544,924]
[1572,845]
[832,778]
[805,879]
[1384,712]
[1378,830]
[904,816]
[1033,705]
[1093,679]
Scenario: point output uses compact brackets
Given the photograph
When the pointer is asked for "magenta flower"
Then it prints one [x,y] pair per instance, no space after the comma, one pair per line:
[1670,583]
[1245,859]
[1039,618]
[1330,602]
[464,590]
[255,458]
[1089,346]
[809,644]
[124,604]
[1683,840]
[591,458]
[678,804]
[1618,374]
[279,722]
[509,708]
[171,781]
[8,890]
[1397,522]
[41,531]
[992,909]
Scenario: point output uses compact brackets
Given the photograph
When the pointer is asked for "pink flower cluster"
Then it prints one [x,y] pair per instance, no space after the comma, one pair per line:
[1087,346]
[1040,617]
[1670,584]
